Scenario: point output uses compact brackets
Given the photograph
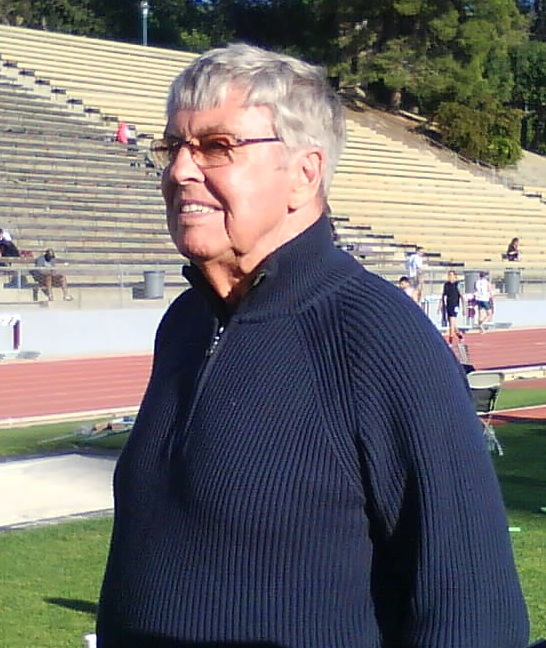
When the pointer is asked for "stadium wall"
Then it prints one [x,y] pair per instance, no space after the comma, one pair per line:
[64,333]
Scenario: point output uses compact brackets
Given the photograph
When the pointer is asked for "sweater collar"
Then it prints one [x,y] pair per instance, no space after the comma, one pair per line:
[286,278]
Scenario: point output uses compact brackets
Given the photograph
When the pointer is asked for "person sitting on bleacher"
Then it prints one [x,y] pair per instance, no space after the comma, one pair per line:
[7,246]
[125,134]
[48,277]
[5,235]
[513,253]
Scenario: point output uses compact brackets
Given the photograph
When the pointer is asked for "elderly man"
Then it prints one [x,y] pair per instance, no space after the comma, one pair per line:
[306,470]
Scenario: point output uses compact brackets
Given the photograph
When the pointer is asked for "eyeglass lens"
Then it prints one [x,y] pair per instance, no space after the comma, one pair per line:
[208,150]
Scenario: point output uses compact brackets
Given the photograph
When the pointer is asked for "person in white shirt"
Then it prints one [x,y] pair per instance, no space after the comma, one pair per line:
[47,276]
[416,271]
[484,299]
[5,235]
[405,285]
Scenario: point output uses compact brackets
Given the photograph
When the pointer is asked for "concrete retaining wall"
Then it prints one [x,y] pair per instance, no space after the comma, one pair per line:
[62,333]
[78,333]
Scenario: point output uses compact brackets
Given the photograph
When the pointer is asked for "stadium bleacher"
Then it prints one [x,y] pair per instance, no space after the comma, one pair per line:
[65,184]
[124,82]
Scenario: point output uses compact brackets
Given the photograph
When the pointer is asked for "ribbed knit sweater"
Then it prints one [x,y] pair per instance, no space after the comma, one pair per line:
[307,472]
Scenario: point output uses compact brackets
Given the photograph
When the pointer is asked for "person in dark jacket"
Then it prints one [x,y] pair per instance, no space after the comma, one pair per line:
[306,469]
[451,303]
[7,246]
[512,252]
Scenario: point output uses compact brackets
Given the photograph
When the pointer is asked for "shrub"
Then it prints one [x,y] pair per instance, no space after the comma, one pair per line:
[487,133]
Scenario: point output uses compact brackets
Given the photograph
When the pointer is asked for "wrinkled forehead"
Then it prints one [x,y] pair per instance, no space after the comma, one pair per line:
[231,113]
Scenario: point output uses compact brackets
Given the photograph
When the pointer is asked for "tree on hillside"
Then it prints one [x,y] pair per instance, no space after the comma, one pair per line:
[306,28]
[69,16]
[529,65]
[421,54]
[538,25]
[426,51]
[181,24]
[487,133]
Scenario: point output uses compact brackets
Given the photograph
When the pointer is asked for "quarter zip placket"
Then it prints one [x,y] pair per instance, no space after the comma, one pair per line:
[206,365]
[218,335]
[219,329]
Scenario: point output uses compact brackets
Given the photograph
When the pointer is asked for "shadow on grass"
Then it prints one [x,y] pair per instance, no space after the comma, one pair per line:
[74,604]
[523,494]
[522,469]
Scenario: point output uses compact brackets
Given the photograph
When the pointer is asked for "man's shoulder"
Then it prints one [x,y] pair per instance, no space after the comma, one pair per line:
[366,293]
[188,318]
[368,302]
[189,303]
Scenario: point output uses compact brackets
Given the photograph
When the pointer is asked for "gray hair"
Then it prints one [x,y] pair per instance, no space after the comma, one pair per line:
[306,110]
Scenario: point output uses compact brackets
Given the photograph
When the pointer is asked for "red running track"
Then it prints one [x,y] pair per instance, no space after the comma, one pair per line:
[34,388]
[507,348]
[521,414]
[31,388]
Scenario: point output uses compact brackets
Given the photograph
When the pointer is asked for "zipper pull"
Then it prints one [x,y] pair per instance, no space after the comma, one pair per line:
[215,340]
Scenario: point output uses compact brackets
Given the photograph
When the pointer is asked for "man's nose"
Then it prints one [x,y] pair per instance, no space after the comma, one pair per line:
[183,168]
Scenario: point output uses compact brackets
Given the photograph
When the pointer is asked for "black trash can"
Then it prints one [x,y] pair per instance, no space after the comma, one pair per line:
[154,284]
[512,281]
[470,278]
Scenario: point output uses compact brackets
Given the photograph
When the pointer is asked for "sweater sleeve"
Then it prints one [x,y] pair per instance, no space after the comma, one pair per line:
[443,574]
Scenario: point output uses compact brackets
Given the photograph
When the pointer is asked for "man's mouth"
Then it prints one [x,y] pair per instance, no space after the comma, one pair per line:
[197,208]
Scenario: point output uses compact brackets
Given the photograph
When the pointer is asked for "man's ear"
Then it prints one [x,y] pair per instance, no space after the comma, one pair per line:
[308,166]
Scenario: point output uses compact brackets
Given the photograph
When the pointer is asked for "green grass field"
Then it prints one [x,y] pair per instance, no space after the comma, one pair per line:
[50,576]
[58,437]
[49,583]
[510,398]
[50,438]
[522,475]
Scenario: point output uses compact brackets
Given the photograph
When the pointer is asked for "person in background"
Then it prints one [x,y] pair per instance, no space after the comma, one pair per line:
[48,277]
[512,252]
[405,285]
[8,250]
[416,265]
[451,302]
[125,133]
[7,246]
[5,235]
[483,293]
[307,469]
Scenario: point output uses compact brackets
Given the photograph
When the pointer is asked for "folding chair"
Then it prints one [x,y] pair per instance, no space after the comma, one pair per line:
[485,387]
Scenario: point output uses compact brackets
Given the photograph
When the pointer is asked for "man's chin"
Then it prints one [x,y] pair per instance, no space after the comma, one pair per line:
[198,253]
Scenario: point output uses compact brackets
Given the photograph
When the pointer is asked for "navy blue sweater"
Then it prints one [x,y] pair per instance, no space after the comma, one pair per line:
[307,472]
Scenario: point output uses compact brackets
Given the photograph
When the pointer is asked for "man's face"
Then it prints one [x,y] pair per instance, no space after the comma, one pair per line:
[234,211]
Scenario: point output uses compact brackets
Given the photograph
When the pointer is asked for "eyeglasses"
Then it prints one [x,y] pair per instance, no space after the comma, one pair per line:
[214,149]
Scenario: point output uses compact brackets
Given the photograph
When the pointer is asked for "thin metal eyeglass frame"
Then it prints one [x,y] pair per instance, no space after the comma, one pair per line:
[171,150]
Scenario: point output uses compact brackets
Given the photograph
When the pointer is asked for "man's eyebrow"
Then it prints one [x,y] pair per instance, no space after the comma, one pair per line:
[218,128]
[167,135]
[207,130]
